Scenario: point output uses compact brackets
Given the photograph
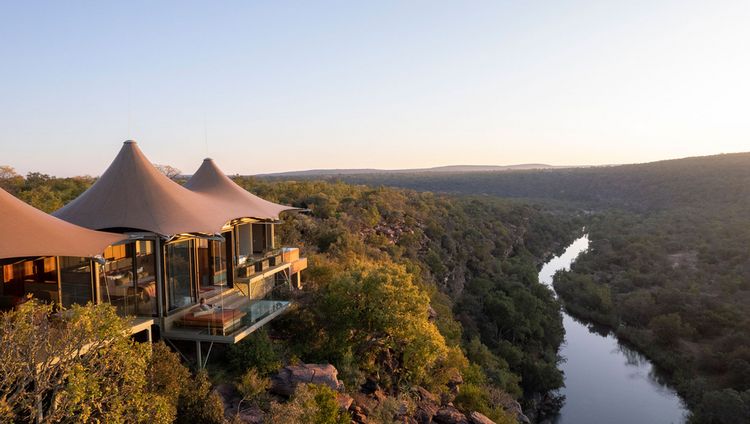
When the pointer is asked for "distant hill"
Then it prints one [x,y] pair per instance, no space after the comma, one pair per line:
[706,180]
[435,170]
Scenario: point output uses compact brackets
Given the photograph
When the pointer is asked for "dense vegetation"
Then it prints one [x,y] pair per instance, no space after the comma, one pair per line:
[668,268]
[676,284]
[699,181]
[405,289]
[80,366]
[470,262]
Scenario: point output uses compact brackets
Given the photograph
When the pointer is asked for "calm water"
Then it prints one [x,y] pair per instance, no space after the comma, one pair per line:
[606,382]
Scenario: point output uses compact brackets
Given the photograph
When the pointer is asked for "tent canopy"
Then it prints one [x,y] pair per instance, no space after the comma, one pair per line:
[132,194]
[236,201]
[27,231]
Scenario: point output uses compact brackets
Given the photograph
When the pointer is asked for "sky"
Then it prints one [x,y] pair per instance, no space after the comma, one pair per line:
[279,86]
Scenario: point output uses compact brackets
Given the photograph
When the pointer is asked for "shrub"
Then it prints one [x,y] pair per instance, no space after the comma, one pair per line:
[99,373]
[199,404]
[311,404]
[166,375]
[473,398]
[252,386]
[255,351]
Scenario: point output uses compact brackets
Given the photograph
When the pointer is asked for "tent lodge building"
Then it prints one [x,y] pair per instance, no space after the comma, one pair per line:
[48,258]
[167,248]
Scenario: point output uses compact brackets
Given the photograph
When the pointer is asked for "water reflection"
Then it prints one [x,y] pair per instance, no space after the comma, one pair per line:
[607,381]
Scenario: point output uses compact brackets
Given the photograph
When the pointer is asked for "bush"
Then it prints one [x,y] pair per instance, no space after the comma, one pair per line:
[667,328]
[255,351]
[199,404]
[99,374]
[252,386]
[473,398]
[166,375]
[723,407]
[311,404]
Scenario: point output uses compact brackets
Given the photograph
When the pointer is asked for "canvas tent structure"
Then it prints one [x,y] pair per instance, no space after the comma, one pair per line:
[46,257]
[27,231]
[132,195]
[185,246]
[252,223]
[237,202]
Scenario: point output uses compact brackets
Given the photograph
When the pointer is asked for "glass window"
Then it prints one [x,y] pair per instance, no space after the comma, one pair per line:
[116,279]
[75,281]
[128,279]
[244,239]
[219,266]
[35,276]
[212,265]
[180,291]
[145,271]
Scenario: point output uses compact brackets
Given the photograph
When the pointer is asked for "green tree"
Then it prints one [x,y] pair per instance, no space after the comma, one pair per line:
[75,365]
[255,351]
[381,314]
[667,328]
[311,404]
[198,403]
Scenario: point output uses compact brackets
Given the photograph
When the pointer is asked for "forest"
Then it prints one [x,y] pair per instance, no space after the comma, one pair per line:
[407,291]
[668,268]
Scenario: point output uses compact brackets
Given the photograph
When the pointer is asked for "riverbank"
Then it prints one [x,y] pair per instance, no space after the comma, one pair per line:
[605,380]
[666,363]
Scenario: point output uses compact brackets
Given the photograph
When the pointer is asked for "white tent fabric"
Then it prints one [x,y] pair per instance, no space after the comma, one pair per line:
[27,231]
[133,194]
[236,201]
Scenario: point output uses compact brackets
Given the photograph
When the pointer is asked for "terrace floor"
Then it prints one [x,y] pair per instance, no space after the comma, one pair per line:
[246,316]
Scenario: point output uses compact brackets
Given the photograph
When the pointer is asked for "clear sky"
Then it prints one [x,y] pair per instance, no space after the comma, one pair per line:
[386,84]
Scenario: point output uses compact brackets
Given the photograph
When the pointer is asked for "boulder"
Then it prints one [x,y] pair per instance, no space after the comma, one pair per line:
[344,401]
[285,382]
[426,406]
[479,418]
[358,415]
[248,414]
[251,415]
[449,415]
[364,402]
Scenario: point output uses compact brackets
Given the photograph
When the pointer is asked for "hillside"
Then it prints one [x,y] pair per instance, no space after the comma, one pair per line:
[709,180]
[668,267]
[405,291]
[434,170]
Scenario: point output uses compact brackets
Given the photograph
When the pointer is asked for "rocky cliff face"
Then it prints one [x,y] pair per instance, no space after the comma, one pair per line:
[368,404]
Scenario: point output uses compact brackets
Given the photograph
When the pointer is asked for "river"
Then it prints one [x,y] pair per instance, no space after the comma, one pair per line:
[605,381]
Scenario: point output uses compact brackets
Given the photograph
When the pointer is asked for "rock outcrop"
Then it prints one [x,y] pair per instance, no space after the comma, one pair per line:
[449,415]
[477,418]
[285,382]
[426,406]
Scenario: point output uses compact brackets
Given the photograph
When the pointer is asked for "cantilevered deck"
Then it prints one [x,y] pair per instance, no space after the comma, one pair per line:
[236,317]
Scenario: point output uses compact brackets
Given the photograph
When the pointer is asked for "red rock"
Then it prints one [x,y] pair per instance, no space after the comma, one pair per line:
[478,418]
[450,415]
[286,380]
[344,400]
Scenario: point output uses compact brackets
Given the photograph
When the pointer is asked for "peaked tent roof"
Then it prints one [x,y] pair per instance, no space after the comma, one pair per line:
[133,194]
[27,231]
[237,202]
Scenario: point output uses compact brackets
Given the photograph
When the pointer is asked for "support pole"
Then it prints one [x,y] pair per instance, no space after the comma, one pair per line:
[198,354]
[205,362]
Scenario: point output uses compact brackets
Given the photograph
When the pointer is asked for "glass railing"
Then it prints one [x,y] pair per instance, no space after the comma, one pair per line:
[231,321]
[258,263]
